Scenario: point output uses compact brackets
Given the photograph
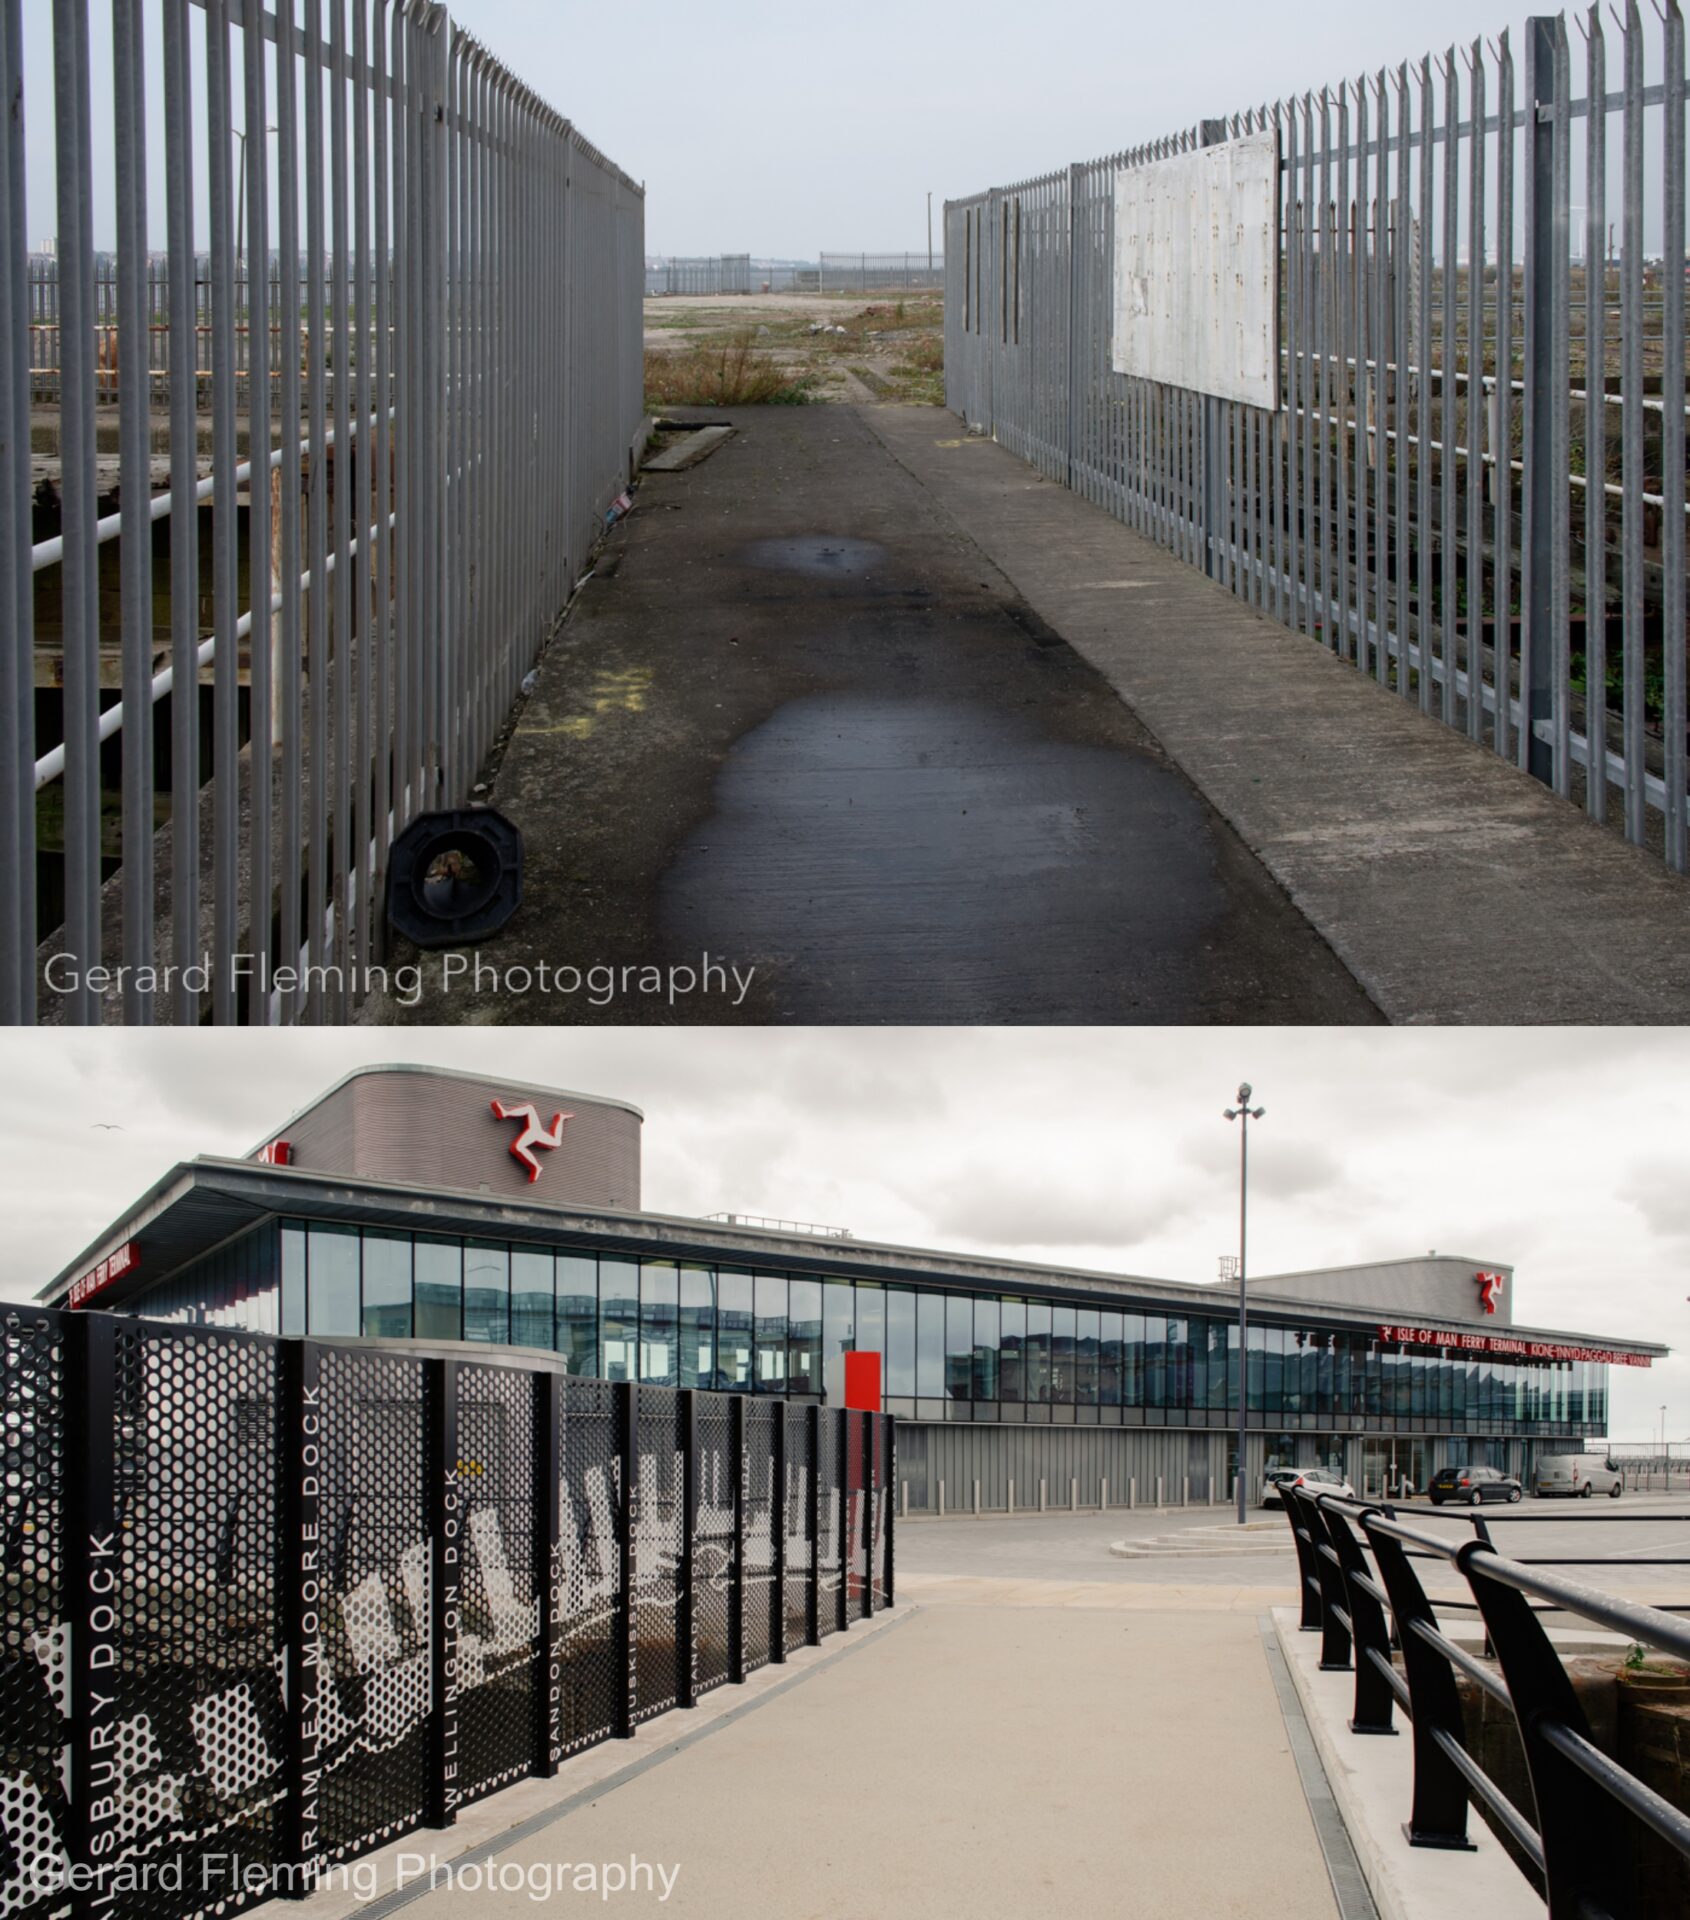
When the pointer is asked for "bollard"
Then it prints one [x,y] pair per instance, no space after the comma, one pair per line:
[1103,1496]
[1159,1499]
[1132,1492]
[941,1499]
[1011,1507]
[1044,1503]
[977,1499]
[1073,1496]
[906,1512]
[1185,1490]
[1211,1489]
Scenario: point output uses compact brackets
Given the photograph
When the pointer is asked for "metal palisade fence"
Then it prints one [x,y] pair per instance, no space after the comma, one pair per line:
[1472,485]
[344,372]
[271,1604]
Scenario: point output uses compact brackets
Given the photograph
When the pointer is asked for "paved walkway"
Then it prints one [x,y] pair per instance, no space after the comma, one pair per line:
[1455,888]
[997,1763]
[798,722]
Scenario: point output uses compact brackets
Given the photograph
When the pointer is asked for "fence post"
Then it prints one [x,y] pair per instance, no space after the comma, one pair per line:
[548,1574]
[626,1639]
[1070,433]
[686,1609]
[842,1453]
[440,1424]
[1543,532]
[1308,1576]
[871,1502]
[92,1559]
[299,1593]
[813,1524]
[1439,1814]
[777,1540]
[1368,1626]
[1212,133]
[736,1563]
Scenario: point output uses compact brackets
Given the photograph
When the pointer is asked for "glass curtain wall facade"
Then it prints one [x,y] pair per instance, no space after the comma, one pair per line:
[949,1355]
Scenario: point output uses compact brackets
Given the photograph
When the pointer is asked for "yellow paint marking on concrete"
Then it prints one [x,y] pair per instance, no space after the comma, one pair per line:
[621,692]
[968,440]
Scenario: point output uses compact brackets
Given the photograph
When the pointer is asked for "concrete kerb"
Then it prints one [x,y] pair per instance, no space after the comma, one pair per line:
[1372,1784]
[507,1817]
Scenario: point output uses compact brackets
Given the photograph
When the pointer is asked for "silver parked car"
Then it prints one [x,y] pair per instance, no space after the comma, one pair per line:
[1577,1475]
[1310,1479]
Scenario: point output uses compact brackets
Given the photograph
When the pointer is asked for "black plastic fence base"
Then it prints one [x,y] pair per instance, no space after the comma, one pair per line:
[1356,1726]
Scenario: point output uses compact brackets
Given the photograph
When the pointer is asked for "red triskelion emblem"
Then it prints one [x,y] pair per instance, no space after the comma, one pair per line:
[1490,1285]
[533,1135]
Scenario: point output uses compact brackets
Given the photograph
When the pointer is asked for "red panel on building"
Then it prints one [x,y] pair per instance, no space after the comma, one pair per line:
[862,1381]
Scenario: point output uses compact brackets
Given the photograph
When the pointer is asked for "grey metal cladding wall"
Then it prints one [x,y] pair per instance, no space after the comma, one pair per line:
[1431,1288]
[959,1455]
[439,1131]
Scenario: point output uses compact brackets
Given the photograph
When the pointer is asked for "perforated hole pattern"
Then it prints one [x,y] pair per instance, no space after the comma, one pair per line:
[712,1540]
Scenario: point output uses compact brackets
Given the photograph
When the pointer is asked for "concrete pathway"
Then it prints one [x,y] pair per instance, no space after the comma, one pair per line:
[799,723]
[1004,1762]
[1455,888]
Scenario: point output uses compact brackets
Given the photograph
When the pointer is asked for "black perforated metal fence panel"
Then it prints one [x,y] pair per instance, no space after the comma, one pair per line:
[196,1761]
[856,1514]
[712,1541]
[592,1581]
[374,1678]
[34,1679]
[760,1598]
[882,1506]
[658,1552]
[795,1518]
[280,1602]
[829,1504]
[500,1617]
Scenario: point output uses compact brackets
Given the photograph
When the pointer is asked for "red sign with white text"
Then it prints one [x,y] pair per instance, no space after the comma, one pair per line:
[1508,1345]
[97,1279]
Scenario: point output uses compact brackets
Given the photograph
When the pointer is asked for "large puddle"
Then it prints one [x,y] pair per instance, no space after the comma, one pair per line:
[818,556]
[950,861]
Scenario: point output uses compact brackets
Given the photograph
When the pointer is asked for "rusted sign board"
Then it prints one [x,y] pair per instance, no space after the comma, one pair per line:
[1196,251]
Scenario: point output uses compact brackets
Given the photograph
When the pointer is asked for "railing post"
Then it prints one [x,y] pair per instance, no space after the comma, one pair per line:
[445,1547]
[813,1525]
[548,1574]
[1586,1845]
[627,1520]
[736,1563]
[1308,1573]
[1544,531]
[1438,1817]
[1212,133]
[1368,1628]
[299,1592]
[1334,1614]
[777,1540]
[92,1565]
[686,1597]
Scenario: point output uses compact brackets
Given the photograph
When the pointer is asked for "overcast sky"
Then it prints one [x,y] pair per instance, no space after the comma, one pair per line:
[780,130]
[1564,1154]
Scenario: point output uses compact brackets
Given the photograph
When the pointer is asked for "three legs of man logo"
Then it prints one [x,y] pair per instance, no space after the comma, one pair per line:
[1490,1284]
[533,1136]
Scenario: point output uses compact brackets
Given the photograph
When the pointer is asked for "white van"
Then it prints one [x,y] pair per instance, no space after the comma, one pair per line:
[1578,1475]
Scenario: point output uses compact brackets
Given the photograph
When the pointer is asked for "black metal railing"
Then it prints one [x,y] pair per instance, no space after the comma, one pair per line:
[280,1601]
[1359,1589]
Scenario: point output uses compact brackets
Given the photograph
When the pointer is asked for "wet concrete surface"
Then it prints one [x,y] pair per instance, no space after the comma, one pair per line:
[798,721]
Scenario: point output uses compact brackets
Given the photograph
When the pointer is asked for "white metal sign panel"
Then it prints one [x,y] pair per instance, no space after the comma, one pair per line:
[1196,267]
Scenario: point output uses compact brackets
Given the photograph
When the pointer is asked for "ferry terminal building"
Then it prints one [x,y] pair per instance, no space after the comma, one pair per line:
[423,1205]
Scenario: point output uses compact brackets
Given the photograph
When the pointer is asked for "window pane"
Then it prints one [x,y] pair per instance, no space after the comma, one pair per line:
[1254,1376]
[293,1279]
[1062,1321]
[1179,1362]
[871,1321]
[839,1321]
[439,1289]
[531,1298]
[959,1346]
[660,1322]
[1109,1361]
[1217,1366]
[1012,1355]
[1038,1353]
[985,1349]
[332,1280]
[804,1336]
[619,1318]
[1155,1359]
[733,1332]
[1085,1356]
[487,1292]
[771,1333]
[698,1327]
[930,1345]
[387,1286]
[900,1341]
[1132,1364]
[578,1312]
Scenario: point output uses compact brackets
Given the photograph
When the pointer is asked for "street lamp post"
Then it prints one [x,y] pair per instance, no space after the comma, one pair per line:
[1244,1113]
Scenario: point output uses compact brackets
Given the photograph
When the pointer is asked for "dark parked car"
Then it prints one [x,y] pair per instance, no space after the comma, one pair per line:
[1472,1486]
